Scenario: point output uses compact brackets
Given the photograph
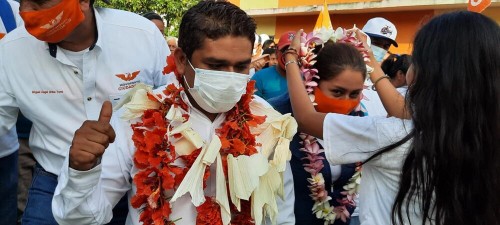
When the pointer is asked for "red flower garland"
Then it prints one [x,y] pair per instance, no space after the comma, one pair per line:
[155,155]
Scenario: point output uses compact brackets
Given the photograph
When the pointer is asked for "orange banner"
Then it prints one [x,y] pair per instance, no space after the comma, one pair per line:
[478,5]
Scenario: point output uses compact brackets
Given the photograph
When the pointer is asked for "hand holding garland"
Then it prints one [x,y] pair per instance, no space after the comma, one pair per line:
[393,101]
[310,121]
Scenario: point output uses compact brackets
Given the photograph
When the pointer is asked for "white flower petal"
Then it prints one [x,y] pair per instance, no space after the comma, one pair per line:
[221,193]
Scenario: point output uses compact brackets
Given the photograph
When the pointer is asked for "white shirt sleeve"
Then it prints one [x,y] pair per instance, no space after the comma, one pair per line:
[8,104]
[88,197]
[161,60]
[350,139]
[286,214]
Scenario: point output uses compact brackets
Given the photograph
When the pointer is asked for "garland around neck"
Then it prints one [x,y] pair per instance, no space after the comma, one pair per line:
[311,148]
[250,151]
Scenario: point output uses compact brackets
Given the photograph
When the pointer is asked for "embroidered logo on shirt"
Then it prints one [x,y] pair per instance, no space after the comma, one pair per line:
[128,76]
[2,35]
[53,22]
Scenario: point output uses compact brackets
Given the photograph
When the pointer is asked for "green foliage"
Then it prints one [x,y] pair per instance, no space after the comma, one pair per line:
[170,10]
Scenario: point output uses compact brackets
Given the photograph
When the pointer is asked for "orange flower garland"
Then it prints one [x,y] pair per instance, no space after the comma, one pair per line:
[155,155]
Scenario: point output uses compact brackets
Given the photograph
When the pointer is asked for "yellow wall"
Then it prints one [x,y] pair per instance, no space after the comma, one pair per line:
[236,2]
[266,25]
[259,4]
[264,4]
[294,3]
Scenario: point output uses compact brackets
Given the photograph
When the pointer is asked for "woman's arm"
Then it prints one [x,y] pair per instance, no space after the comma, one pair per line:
[393,101]
[310,121]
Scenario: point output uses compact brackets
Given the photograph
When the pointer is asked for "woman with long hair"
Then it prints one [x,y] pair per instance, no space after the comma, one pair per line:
[439,164]
[341,72]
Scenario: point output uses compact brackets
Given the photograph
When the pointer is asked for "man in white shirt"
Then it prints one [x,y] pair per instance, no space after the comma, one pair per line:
[382,33]
[59,68]
[9,20]
[212,65]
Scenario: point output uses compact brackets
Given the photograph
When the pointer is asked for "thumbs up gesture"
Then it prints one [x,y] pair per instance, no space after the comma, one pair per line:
[91,140]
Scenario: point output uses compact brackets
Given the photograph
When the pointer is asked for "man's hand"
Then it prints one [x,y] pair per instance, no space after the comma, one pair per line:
[91,140]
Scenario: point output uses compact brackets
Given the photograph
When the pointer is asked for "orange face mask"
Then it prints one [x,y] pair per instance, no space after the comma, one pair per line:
[54,24]
[333,105]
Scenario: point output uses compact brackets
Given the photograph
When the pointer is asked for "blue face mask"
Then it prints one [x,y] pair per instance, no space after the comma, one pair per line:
[379,53]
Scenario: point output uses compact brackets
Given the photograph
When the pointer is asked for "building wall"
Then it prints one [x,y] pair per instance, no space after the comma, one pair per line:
[284,16]
[295,3]
[406,23]
[266,25]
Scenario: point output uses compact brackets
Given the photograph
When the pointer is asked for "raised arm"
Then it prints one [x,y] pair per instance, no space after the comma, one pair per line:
[393,101]
[310,121]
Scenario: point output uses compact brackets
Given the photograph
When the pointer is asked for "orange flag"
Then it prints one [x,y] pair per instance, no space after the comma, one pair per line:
[478,5]
[323,19]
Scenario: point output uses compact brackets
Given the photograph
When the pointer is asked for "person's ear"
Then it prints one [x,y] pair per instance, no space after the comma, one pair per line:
[85,5]
[180,60]
[401,78]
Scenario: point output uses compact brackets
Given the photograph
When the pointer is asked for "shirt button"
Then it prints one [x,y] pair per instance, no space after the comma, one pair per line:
[89,99]
[76,72]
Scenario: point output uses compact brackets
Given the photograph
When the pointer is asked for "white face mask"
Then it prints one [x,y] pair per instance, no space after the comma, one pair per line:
[379,53]
[217,91]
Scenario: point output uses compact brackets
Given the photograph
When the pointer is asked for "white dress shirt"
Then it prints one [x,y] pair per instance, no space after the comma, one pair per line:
[88,197]
[57,96]
[350,139]
[372,101]
[8,141]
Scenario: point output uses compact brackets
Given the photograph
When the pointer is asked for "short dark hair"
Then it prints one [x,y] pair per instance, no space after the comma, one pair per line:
[334,58]
[213,19]
[152,16]
[395,63]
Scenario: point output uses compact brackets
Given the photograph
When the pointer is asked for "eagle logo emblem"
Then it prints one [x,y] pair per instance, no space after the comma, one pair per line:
[128,76]
[53,22]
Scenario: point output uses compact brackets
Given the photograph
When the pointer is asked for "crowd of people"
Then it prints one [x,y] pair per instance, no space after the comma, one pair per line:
[224,126]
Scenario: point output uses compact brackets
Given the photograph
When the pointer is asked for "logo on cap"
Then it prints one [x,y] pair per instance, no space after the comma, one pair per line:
[386,30]
[291,36]
[53,22]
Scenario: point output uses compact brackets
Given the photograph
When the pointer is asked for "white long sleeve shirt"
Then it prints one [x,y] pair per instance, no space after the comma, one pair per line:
[57,96]
[8,141]
[88,197]
[350,139]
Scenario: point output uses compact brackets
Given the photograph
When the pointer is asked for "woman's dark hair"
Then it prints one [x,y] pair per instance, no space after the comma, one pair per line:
[334,58]
[213,19]
[452,169]
[267,43]
[395,63]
